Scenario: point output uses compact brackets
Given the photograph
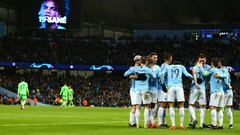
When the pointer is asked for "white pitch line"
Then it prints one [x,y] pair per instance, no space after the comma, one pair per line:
[56,124]
[46,116]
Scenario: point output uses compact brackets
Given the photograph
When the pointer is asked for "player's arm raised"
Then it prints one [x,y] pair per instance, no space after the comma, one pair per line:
[186,73]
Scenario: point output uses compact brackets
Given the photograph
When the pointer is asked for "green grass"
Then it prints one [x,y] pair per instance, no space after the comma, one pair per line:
[89,121]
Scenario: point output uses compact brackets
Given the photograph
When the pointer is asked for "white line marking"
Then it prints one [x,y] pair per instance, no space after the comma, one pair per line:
[60,116]
[56,124]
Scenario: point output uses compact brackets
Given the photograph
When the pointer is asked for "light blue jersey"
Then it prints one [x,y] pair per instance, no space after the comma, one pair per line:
[127,73]
[227,81]
[140,85]
[200,75]
[154,82]
[174,75]
[216,83]
[163,78]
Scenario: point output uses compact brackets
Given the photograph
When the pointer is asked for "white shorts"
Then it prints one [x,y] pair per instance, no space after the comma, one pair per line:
[228,98]
[217,99]
[197,95]
[154,96]
[143,97]
[162,96]
[132,97]
[175,93]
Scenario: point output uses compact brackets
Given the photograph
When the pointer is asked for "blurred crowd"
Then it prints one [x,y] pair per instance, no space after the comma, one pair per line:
[99,90]
[104,89]
[107,51]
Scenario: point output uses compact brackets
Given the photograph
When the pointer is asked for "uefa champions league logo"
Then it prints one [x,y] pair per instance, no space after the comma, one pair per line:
[103,67]
[230,69]
[44,65]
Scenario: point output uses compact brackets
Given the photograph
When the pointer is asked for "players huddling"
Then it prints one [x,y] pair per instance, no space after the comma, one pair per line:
[157,88]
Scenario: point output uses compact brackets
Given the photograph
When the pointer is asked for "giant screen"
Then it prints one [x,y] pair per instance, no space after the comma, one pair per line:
[52,14]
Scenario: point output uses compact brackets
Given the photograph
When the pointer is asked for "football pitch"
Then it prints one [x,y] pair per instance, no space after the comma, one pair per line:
[91,121]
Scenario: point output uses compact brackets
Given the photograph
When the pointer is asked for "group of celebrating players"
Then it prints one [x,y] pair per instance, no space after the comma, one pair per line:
[158,88]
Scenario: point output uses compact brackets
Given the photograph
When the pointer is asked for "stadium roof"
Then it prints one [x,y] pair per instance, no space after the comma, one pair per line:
[154,13]
[168,11]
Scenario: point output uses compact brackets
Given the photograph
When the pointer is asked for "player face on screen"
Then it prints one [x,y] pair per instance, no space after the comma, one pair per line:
[49,15]
[50,9]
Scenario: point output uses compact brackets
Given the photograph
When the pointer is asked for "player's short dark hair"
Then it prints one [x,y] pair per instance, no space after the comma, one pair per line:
[150,61]
[221,60]
[148,57]
[56,2]
[143,59]
[167,56]
[215,62]
[202,55]
[152,53]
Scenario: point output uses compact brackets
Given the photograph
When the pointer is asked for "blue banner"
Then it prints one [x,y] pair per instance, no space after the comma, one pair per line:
[80,67]
[62,66]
